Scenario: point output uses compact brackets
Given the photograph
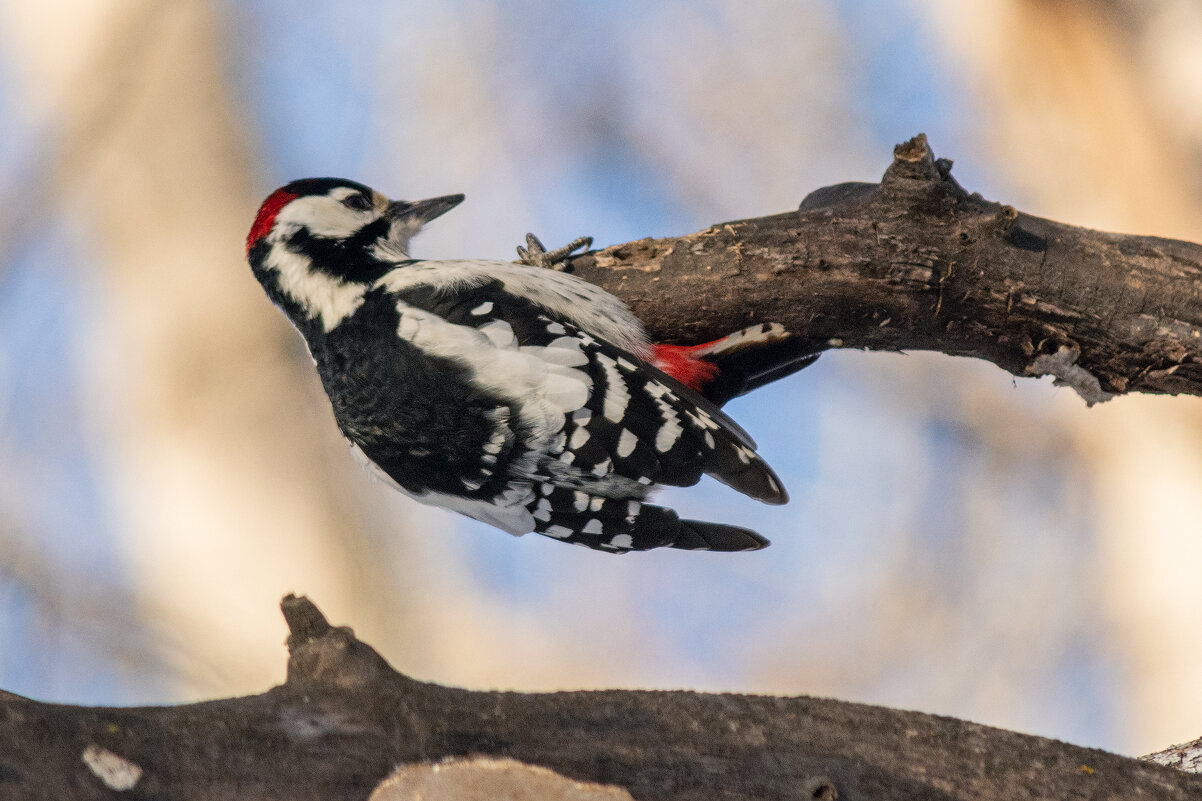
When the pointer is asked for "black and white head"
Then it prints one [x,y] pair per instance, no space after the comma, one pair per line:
[318,242]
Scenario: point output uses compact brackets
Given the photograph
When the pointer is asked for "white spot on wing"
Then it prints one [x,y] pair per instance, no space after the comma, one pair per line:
[579,437]
[671,429]
[621,541]
[593,526]
[667,435]
[483,308]
[626,443]
[557,531]
[616,396]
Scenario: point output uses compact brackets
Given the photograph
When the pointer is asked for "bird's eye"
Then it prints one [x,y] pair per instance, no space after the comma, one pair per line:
[358,202]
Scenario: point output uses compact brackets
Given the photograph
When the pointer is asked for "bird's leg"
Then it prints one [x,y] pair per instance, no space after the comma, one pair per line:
[536,255]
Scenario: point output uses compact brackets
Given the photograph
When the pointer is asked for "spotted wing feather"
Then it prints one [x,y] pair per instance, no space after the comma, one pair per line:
[637,427]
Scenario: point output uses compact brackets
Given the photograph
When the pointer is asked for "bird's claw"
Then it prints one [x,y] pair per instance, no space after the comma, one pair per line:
[536,255]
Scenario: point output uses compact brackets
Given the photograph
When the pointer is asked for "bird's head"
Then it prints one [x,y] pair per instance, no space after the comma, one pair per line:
[318,240]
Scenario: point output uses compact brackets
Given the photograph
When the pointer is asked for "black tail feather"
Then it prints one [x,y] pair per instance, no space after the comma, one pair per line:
[697,535]
[607,529]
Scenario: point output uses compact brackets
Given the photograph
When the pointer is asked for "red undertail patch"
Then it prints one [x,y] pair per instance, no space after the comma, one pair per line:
[679,362]
[266,216]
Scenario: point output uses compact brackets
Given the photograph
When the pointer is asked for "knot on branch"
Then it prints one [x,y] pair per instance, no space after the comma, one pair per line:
[914,161]
[1062,365]
[915,167]
[331,655]
[820,788]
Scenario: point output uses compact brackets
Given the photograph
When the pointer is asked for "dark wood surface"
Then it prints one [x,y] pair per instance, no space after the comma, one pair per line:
[344,719]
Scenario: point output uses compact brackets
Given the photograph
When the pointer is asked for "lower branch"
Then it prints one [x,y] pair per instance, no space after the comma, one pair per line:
[917,263]
[344,720]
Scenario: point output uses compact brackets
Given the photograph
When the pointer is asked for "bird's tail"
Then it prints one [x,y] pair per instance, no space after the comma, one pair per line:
[697,535]
[737,363]
[606,527]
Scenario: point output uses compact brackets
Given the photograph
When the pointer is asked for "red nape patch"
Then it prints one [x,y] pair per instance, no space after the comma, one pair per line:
[266,216]
[679,362]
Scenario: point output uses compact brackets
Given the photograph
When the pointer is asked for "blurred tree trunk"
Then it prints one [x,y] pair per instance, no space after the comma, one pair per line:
[1078,120]
[210,426]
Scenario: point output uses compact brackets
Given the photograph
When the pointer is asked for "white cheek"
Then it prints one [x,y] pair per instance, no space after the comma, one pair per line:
[324,217]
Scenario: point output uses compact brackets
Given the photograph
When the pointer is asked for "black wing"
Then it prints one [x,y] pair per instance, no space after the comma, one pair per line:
[634,428]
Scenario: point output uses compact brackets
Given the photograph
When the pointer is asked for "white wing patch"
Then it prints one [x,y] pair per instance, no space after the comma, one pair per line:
[565,351]
[545,388]
[591,308]
[500,332]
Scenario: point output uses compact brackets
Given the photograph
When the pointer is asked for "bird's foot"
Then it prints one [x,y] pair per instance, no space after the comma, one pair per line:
[536,255]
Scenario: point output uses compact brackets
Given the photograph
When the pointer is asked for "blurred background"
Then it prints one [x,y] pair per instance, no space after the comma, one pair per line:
[959,541]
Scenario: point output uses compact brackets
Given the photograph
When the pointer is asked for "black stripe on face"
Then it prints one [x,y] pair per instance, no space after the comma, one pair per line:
[349,258]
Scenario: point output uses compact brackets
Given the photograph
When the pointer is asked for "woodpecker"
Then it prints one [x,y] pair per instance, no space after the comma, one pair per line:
[516,395]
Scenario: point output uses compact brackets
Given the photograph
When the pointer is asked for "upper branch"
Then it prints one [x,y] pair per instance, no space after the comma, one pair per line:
[917,263]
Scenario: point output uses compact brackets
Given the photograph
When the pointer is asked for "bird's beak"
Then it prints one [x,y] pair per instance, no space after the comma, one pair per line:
[422,211]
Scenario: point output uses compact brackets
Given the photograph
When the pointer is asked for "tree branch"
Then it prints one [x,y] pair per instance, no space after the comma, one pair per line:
[917,263]
[344,719]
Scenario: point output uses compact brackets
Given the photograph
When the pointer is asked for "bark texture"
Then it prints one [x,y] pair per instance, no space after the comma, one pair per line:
[344,720]
[917,263]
